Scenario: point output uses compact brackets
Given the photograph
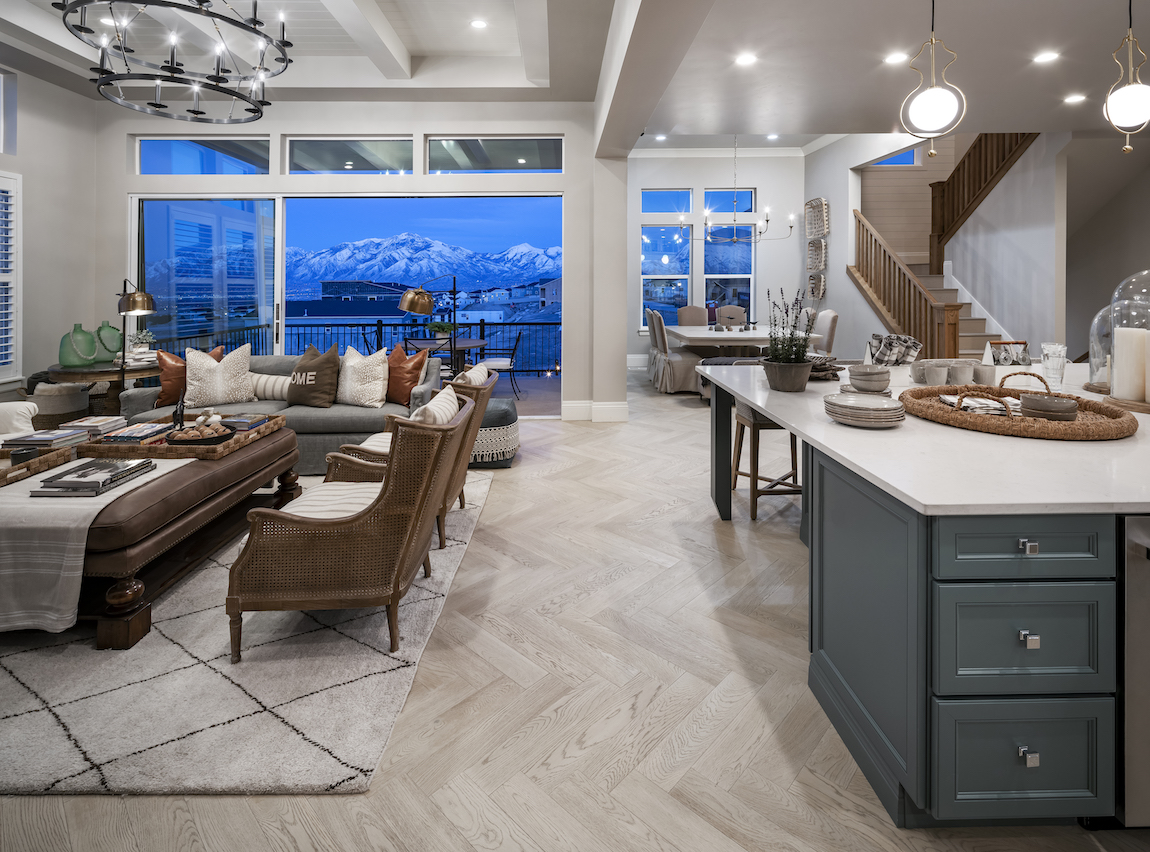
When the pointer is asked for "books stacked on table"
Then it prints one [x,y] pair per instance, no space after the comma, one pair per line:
[244,422]
[97,426]
[49,439]
[140,433]
[146,358]
[93,477]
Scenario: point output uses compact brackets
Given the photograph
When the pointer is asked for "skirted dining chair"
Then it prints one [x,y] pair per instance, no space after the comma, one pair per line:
[731,315]
[377,448]
[652,343]
[677,372]
[692,315]
[350,542]
[825,324]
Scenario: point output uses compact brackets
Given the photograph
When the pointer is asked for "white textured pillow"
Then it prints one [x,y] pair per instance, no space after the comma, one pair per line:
[362,379]
[442,408]
[477,375]
[211,383]
[265,386]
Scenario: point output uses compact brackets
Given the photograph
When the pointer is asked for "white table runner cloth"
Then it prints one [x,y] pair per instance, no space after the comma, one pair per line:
[42,549]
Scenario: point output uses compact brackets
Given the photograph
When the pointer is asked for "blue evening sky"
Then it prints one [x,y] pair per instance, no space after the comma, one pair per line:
[485,224]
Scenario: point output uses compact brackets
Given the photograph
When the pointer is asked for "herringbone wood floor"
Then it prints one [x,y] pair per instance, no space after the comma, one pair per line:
[615,669]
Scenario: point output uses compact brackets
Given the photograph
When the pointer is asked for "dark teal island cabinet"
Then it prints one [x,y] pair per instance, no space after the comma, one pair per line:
[964,605]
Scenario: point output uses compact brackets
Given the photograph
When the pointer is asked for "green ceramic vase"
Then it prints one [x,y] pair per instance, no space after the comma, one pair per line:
[78,348]
[109,341]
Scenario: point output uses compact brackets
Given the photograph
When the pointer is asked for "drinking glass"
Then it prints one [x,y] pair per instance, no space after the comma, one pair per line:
[1054,364]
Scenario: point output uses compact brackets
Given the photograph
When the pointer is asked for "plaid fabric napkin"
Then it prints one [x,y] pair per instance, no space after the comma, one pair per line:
[893,349]
[982,406]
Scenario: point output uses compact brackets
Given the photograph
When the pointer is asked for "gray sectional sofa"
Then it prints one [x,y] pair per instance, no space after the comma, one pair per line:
[319,430]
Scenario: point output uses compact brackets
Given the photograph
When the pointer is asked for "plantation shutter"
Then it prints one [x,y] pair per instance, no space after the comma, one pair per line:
[9,280]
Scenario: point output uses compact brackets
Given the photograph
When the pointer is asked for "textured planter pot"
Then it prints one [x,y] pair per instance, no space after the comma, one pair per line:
[791,378]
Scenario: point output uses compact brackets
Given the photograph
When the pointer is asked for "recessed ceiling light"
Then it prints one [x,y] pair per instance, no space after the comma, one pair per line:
[348,166]
[521,160]
[896,58]
[660,138]
[1074,99]
[479,24]
[746,59]
[773,137]
[1046,56]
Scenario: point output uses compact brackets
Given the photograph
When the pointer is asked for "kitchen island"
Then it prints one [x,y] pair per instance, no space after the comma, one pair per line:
[964,603]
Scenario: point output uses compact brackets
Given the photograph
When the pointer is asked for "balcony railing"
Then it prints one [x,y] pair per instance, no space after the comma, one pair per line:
[539,352]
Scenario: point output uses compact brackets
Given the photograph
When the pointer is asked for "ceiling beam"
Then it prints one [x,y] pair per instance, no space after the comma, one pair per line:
[531,23]
[365,22]
[45,32]
[645,46]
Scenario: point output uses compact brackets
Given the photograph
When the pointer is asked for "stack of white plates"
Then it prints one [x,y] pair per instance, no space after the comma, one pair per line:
[869,410]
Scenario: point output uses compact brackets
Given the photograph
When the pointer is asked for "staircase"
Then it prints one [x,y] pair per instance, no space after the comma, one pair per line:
[972,333]
[911,299]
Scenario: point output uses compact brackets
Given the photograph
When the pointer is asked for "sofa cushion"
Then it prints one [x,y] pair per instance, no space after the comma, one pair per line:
[403,374]
[174,374]
[380,443]
[362,379]
[273,365]
[315,378]
[212,383]
[340,418]
[330,500]
[263,406]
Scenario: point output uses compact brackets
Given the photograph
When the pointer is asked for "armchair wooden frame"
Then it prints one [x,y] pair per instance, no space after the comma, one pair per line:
[480,395]
[369,558]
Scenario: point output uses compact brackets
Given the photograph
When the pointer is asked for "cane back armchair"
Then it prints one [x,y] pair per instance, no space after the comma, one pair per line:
[350,542]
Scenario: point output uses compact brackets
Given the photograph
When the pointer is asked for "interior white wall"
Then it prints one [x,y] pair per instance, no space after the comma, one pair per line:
[779,181]
[1011,254]
[831,173]
[586,344]
[1108,248]
[54,155]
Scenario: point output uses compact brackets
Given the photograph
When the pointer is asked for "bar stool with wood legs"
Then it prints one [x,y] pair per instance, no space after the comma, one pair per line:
[747,418]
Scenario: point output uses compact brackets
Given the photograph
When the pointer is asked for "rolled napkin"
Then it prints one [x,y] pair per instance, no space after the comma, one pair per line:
[893,349]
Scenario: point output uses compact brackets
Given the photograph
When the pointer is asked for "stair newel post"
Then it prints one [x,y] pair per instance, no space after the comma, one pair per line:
[937,225]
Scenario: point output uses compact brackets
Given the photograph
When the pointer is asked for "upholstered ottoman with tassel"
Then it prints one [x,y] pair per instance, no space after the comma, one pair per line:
[498,438]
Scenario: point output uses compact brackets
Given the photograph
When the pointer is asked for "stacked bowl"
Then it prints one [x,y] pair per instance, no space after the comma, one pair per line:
[869,378]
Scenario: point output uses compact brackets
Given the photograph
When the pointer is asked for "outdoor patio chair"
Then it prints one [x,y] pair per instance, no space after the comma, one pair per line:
[503,360]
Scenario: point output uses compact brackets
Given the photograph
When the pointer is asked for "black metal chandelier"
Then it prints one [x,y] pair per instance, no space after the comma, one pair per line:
[152,51]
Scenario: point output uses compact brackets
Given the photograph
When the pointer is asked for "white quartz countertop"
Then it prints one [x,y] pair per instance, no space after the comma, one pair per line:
[944,470]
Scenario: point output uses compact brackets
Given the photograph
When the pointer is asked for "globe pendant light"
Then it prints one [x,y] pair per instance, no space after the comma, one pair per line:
[935,107]
[1127,105]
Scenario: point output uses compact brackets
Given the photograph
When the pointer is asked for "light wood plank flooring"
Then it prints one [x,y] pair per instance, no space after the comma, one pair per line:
[615,669]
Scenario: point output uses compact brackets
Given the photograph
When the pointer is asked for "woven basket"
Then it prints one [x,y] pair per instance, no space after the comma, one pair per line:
[43,462]
[103,450]
[57,404]
[1097,421]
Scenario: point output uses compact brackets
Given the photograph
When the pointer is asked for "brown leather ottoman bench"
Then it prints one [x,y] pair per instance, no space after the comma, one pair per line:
[145,541]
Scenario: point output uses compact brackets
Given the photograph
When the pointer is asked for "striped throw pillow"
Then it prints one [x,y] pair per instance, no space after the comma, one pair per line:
[270,387]
[440,411]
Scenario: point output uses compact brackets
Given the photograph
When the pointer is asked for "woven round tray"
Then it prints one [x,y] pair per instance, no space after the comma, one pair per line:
[1097,421]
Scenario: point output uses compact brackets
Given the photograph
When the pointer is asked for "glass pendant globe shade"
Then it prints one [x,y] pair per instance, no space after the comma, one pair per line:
[933,109]
[1130,105]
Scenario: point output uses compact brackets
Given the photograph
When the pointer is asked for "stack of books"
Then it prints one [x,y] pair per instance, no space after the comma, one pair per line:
[96,426]
[93,477]
[49,439]
[244,422]
[141,433]
[144,358]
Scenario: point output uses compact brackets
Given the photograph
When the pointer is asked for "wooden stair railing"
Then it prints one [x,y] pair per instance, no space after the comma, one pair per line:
[952,200]
[898,297]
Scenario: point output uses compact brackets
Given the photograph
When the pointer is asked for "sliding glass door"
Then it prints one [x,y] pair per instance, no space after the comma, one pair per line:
[210,265]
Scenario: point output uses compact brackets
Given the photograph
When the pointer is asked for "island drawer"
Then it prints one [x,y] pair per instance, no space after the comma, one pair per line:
[1022,758]
[1024,638]
[989,547]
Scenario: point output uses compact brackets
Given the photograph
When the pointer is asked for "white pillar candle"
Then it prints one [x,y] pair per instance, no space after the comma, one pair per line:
[1129,374]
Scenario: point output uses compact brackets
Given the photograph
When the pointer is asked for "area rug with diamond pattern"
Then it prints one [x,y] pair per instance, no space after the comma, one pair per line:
[309,709]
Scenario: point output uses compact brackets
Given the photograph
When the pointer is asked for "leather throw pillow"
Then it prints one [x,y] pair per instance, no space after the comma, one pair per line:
[211,383]
[315,378]
[174,375]
[403,374]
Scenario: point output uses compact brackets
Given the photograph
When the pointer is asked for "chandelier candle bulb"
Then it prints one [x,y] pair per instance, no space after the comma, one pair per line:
[1129,364]
[283,28]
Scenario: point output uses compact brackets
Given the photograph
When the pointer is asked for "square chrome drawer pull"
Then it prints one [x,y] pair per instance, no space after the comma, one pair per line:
[1030,548]
[1033,640]
[1031,757]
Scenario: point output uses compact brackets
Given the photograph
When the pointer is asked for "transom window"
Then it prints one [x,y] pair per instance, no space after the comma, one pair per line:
[350,156]
[494,156]
[204,156]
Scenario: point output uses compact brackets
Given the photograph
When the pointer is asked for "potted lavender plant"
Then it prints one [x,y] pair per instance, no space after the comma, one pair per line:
[785,360]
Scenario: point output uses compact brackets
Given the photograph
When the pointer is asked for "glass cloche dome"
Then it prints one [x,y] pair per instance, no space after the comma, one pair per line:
[1100,347]
[1130,331]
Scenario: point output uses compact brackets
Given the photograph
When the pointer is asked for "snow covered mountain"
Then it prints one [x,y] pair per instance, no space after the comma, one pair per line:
[409,259]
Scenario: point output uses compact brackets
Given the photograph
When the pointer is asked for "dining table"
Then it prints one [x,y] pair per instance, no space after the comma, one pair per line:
[703,335]
[458,347]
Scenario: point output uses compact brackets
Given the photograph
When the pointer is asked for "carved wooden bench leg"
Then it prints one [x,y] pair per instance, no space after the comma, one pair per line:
[124,595]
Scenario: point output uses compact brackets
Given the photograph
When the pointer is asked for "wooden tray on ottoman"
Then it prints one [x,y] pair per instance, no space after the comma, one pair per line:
[43,462]
[171,451]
